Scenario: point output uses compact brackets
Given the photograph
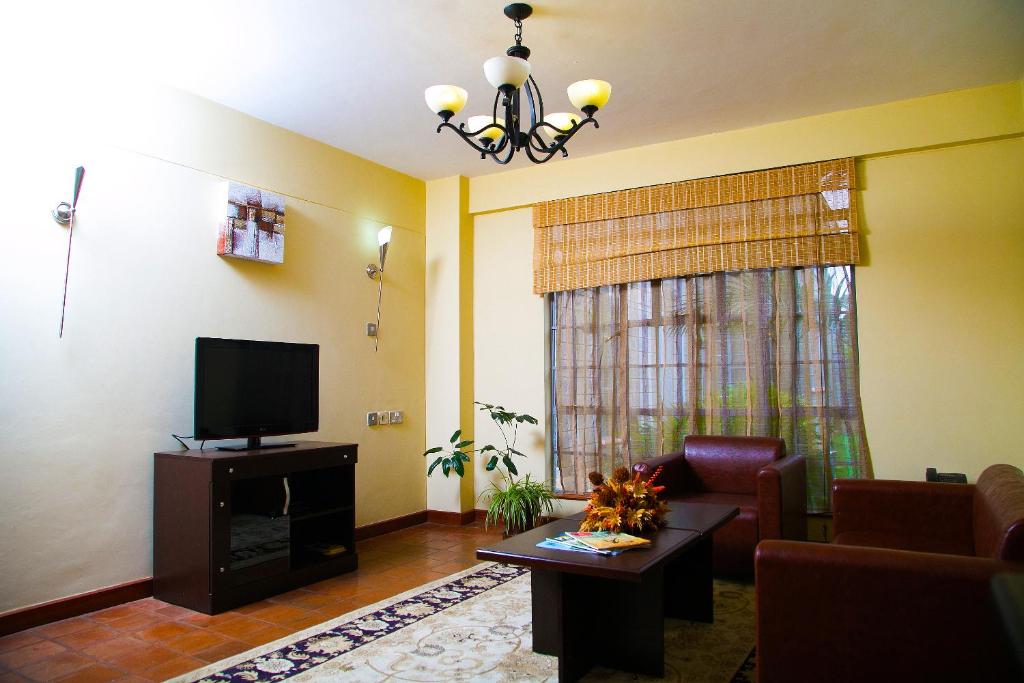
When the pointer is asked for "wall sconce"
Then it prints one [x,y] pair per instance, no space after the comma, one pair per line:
[65,215]
[375,272]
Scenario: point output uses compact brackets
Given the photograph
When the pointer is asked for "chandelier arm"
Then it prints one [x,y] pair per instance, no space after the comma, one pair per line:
[492,150]
[512,119]
[508,156]
[540,99]
[559,145]
[533,107]
[538,143]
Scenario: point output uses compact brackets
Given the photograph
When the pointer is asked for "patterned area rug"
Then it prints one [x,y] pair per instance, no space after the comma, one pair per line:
[476,626]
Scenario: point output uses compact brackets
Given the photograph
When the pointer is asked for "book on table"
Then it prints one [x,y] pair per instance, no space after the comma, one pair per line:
[567,542]
[606,540]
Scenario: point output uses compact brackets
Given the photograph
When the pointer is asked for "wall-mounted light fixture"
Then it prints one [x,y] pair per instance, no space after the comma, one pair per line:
[375,272]
[65,215]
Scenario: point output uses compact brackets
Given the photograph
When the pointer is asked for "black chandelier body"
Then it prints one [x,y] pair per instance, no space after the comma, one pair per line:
[507,132]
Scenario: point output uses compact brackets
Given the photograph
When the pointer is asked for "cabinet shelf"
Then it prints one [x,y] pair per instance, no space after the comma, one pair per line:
[217,531]
[321,513]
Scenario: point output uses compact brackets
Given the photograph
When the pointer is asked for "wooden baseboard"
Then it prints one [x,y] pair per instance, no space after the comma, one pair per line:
[73,606]
[101,598]
[451,518]
[388,525]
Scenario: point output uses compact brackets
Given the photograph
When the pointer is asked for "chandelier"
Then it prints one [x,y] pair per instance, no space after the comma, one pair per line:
[501,134]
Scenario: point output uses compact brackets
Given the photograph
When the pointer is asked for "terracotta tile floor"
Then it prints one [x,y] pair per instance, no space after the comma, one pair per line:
[151,640]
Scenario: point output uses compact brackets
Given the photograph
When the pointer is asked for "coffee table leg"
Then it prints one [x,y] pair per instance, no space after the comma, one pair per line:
[561,614]
[689,584]
[576,617]
[546,594]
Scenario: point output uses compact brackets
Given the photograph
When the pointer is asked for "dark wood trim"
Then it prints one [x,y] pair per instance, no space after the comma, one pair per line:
[388,525]
[451,518]
[73,606]
[572,496]
[481,517]
[101,598]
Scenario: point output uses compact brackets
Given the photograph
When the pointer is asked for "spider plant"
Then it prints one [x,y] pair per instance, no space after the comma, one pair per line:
[517,504]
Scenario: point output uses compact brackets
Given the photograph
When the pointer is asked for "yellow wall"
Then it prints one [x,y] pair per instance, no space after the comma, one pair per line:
[948,118]
[941,319]
[449,349]
[940,308]
[82,416]
[939,295]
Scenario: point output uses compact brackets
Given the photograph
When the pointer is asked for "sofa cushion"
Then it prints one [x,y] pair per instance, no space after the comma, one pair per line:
[730,464]
[935,544]
[999,514]
[739,500]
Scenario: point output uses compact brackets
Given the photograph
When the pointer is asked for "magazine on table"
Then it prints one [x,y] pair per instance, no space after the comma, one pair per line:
[567,542]
[606,540]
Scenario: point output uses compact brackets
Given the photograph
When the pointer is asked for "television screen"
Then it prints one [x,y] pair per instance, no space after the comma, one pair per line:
[255,388]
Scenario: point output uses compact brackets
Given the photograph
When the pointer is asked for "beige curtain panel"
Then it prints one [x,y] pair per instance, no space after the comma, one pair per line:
[787,217]
[637,367]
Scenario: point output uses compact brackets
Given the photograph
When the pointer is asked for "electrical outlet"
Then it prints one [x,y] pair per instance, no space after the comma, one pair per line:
[384,418]
[396,417]
[371,329]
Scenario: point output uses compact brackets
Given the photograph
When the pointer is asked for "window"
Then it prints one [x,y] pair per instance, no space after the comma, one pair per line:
[636,367]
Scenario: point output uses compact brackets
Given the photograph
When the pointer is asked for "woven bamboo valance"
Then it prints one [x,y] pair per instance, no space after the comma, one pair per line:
[802,215]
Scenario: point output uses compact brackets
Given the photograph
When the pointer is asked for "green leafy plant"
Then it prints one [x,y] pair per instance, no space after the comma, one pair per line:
[518,505]
[452,457]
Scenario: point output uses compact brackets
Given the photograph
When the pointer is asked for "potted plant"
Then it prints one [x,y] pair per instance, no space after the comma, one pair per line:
[519,504]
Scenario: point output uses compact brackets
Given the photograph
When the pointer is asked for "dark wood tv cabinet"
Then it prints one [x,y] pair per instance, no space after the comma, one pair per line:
[232,527]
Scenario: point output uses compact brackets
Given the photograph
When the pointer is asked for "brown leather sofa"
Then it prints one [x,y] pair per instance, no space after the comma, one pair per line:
[903,591]
[752,473]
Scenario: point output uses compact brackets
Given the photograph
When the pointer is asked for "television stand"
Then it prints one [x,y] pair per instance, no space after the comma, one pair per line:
[254,443]
[233,527]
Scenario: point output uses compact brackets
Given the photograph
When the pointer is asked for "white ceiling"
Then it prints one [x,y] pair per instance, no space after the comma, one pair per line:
[352,74]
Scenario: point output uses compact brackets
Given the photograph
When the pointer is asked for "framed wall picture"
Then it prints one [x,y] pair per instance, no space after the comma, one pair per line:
[253,225]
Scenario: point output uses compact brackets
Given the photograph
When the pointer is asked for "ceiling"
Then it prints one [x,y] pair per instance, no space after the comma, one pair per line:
[352,74]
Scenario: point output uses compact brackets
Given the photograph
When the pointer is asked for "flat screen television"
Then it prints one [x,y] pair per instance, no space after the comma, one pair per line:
[251,389]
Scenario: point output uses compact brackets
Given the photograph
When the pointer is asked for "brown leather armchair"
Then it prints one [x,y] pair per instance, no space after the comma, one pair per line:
[752,473]
[903,591]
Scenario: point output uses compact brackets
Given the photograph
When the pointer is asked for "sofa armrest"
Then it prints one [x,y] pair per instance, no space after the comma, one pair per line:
[782,499]
[673,473]
[904,508]
[846,613]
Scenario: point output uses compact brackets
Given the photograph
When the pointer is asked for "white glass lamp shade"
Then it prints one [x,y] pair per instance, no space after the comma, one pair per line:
[445,98]
[589,93]
[506,70]
[384,236]
[561,120]
[492,132]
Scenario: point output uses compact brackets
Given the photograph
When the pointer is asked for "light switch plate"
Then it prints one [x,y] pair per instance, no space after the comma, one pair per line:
[396,417]
[371,329]
[384,418]
[371,419]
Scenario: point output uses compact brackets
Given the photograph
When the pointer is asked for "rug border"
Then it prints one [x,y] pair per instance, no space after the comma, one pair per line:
[261,650]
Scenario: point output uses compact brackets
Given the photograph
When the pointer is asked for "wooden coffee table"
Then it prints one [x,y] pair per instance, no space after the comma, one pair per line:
[596,609]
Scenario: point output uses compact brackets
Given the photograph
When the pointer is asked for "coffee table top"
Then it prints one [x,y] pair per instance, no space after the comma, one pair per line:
[667,544]
[703,518]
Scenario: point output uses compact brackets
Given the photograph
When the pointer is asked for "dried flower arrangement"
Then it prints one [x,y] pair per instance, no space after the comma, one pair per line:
[624,503]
